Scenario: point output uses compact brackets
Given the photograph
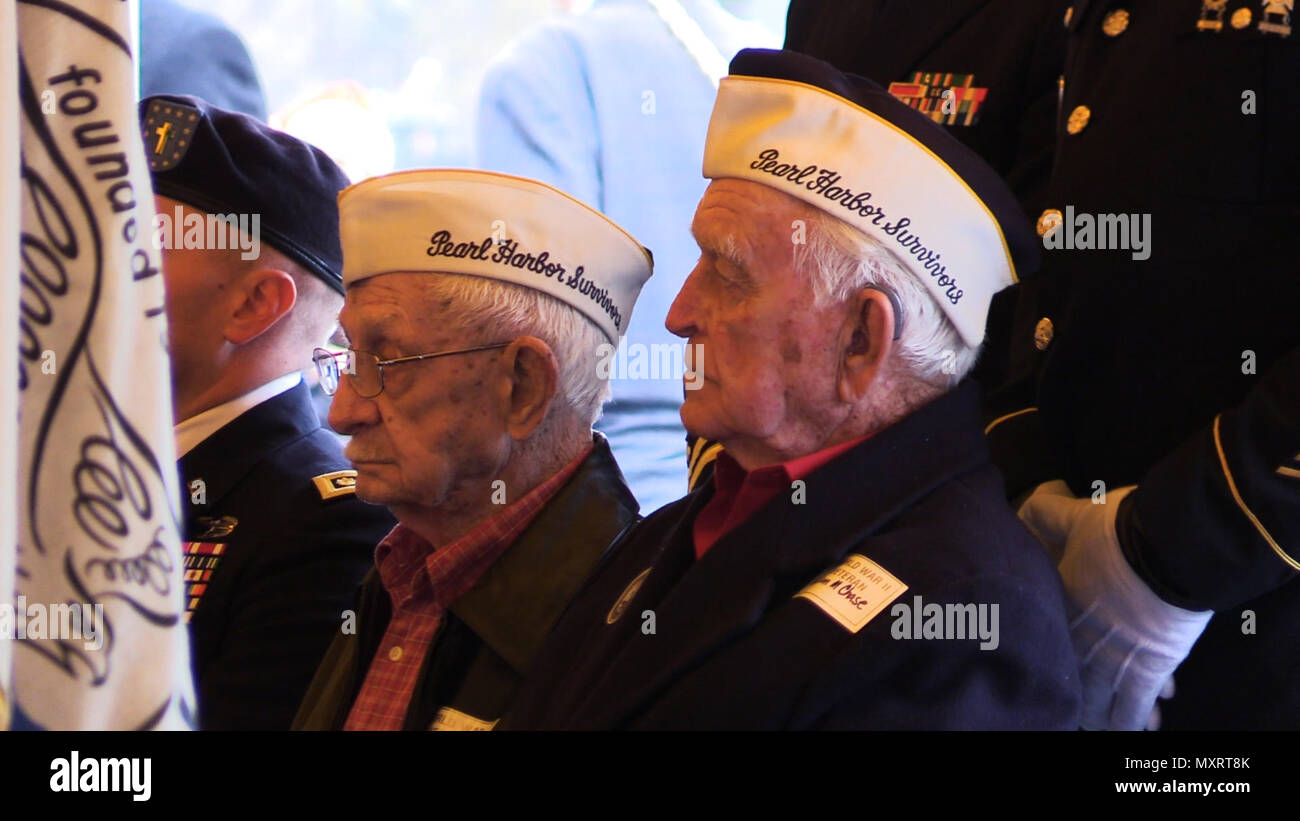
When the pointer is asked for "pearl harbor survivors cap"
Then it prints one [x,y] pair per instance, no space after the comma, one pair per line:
[481,223]
[844,145]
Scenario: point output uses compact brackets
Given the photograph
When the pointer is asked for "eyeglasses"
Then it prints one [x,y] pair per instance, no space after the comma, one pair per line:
[365,371]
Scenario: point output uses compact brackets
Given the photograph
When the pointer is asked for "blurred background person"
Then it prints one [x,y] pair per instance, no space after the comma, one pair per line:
[185,51]
[612,105]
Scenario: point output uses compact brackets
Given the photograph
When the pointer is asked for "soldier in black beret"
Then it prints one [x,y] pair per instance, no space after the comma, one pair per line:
[1159,348]
[278,543]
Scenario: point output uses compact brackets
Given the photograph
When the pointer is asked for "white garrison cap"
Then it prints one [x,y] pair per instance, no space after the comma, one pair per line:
[845,146]
[481,223]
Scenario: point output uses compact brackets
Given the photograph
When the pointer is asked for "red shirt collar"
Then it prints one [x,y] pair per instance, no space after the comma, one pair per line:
[739,494]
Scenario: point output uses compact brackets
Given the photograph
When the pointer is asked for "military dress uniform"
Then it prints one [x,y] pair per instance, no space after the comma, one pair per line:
[1175,367]
[987,70]
[277,543]
[489,637]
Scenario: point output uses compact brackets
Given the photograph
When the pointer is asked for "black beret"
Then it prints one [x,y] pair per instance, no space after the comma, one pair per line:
[225,162]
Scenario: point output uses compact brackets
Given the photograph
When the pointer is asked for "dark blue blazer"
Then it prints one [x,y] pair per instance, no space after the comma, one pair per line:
[291,564]
[733,648]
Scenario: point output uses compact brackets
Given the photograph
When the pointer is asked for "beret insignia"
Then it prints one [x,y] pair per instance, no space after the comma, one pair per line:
[168,131]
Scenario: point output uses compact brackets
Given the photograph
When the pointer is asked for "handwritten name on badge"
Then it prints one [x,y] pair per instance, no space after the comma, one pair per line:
[854,593]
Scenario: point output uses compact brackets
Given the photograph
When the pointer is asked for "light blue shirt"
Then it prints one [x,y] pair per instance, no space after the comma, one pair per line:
[611,107]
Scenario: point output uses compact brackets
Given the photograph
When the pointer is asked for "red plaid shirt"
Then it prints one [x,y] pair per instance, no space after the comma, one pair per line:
[422,581]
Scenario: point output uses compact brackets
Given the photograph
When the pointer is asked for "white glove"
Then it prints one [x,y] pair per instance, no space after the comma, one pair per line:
[1128,639]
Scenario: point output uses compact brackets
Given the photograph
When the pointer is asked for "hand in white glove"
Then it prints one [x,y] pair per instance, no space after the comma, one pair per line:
[1128,639]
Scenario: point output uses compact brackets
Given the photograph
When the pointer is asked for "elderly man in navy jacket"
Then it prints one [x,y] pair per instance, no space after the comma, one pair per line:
[852,564]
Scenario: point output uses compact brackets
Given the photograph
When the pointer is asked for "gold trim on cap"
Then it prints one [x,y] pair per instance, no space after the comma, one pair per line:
[997,226]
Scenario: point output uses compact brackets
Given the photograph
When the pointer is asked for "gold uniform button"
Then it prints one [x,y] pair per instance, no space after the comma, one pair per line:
[1048,220]
[1115,23]
[1078,119]
[1069,13]
[1043,333]
[396,653]
[1241,18]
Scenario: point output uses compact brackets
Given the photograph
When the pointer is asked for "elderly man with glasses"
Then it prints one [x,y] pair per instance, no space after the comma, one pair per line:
[477,308]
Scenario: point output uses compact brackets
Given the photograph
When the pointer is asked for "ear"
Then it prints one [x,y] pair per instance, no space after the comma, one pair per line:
[265,296]
[866,342]
[534,375]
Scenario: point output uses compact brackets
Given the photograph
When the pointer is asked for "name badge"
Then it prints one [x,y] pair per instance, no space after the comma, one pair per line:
[452,719]
[853,593]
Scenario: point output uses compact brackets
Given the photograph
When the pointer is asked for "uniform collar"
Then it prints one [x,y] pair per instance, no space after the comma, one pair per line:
[518,600]
[191,432]
[227,456]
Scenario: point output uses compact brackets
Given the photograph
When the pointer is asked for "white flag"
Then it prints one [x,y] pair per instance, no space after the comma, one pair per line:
[98,595]
[8,330]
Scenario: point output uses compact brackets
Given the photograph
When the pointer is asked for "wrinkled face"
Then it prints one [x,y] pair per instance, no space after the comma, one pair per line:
[769,357]
[197,295]
[436,435]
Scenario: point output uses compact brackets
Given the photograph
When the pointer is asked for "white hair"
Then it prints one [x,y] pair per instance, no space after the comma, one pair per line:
[840,259]
[496,311]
